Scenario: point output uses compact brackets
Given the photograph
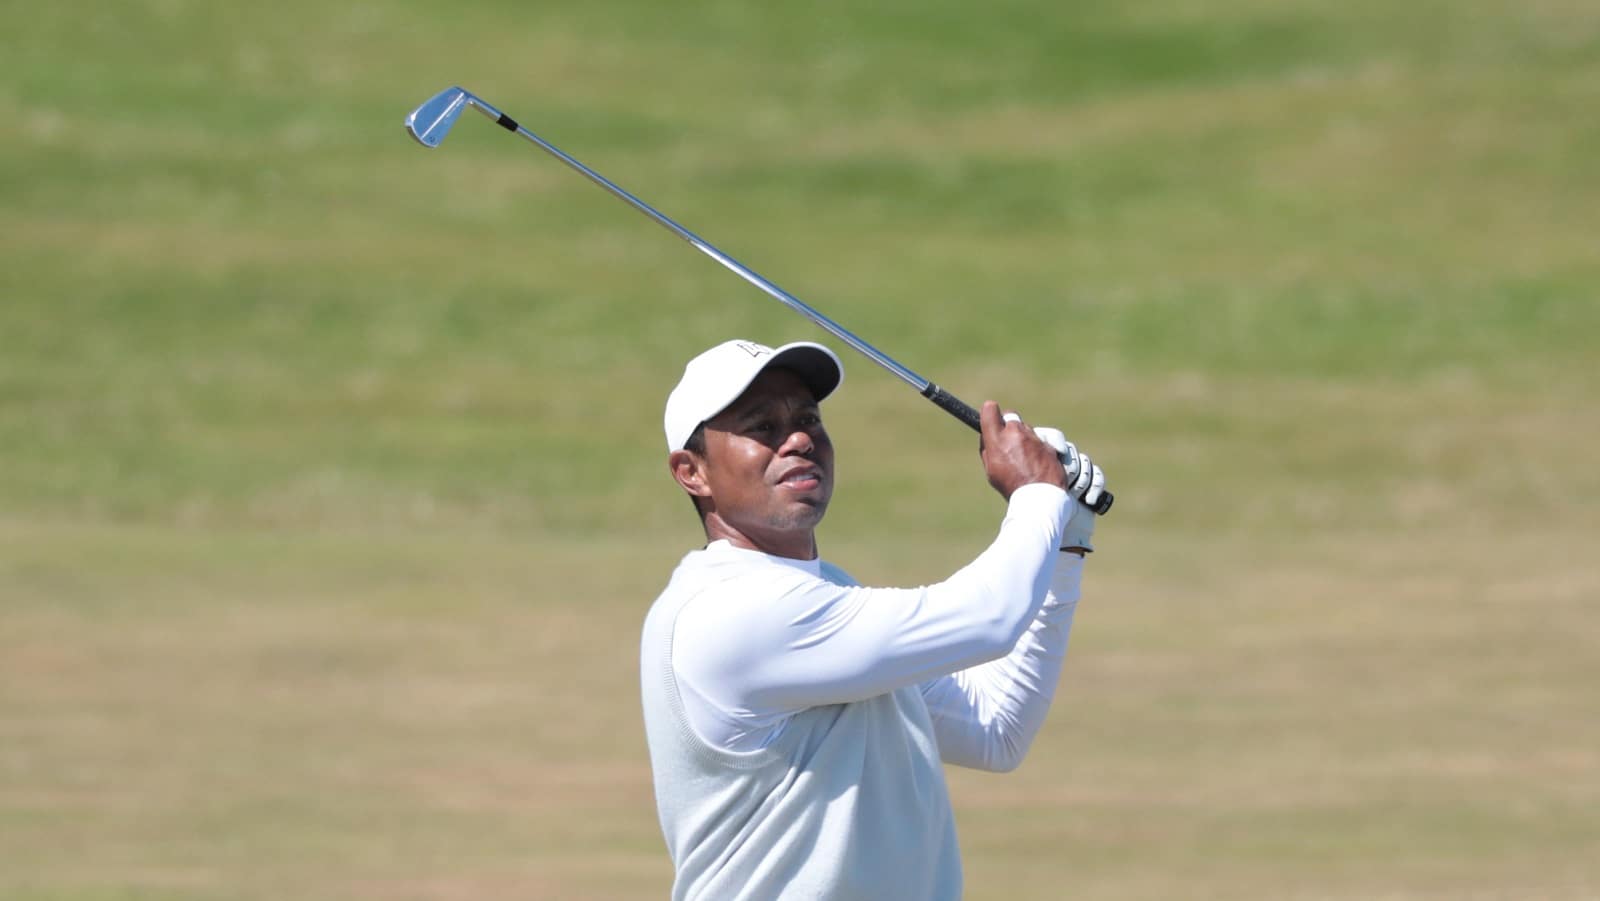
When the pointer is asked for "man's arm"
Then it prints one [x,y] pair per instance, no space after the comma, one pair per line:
[986,717]
[750,652]
[757,649]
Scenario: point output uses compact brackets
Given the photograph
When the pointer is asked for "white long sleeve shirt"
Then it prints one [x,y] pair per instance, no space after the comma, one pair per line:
[797,721]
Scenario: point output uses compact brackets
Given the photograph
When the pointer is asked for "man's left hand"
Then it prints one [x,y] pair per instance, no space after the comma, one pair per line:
[1087,482]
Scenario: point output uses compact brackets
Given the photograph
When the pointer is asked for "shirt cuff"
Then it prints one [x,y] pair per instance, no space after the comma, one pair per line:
[1043,500]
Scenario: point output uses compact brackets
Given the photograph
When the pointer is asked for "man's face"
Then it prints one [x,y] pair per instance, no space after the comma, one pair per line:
[768,462]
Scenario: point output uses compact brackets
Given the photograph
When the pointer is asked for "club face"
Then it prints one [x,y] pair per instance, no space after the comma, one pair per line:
[431,121]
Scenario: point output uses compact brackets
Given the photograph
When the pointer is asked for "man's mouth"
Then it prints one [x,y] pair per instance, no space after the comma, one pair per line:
[802,479]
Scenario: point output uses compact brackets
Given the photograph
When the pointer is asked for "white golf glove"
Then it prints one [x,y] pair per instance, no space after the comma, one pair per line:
[1087,482]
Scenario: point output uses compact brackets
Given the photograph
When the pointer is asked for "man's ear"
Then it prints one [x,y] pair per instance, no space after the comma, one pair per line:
[688,468]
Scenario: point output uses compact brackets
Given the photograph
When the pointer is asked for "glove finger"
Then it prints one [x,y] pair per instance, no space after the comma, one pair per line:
[1097,487]
[1052,437]
[1085,476]
[1065,450]
[1072,462]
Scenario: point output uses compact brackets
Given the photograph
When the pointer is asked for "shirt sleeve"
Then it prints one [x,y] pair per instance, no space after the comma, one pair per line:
[986,717]
[779,641]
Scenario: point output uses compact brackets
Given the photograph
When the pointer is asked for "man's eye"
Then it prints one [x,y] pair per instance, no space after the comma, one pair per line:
[762,426]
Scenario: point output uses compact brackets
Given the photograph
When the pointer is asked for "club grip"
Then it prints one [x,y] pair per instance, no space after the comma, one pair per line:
[958,408]
[953,405]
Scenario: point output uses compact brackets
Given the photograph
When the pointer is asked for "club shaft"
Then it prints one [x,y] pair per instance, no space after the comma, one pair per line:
[940,397]
[706,247]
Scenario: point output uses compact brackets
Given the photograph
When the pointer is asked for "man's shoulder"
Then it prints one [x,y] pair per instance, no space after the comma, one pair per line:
[718,589]
[718,605]
[836,574]
[706,575]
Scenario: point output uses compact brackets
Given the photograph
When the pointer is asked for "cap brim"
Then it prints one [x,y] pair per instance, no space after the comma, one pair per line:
[702,394]
[816,365]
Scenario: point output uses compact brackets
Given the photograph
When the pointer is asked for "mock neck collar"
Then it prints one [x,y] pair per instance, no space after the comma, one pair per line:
[724,547]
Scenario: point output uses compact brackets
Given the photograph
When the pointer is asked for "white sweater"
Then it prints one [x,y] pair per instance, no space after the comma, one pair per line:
[797,722]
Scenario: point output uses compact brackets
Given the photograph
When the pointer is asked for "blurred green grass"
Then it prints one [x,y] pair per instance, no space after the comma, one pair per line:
[332,492]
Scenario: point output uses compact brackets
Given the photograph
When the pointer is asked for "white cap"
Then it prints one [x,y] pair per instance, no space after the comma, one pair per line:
[717,377]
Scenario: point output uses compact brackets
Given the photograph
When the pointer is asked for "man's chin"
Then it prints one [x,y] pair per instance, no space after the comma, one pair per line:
[804,513]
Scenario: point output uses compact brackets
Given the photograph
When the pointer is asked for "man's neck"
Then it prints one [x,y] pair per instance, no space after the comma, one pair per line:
[796,545]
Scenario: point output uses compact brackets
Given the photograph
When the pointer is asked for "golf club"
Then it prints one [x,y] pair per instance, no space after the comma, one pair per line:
[430,122]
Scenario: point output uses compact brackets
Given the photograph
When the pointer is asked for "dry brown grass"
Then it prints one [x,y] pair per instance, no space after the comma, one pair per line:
[1348,717]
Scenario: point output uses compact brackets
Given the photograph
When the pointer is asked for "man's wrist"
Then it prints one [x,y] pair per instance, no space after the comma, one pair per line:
[1044,500]
[1078,533]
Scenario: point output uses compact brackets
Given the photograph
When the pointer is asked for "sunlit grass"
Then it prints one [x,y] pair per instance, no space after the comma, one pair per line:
[331,491]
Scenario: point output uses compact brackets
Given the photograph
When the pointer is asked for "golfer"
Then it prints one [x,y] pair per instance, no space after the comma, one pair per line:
[797,721]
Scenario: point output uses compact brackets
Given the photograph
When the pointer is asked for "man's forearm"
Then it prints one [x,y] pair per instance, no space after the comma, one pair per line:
[987,716]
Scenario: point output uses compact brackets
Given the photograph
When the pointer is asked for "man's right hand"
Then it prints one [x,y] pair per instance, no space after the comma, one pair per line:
[1013,455]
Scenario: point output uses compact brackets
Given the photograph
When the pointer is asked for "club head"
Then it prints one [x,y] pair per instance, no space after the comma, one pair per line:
[431,121]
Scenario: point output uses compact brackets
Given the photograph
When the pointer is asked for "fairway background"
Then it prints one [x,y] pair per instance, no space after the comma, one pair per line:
[331,488]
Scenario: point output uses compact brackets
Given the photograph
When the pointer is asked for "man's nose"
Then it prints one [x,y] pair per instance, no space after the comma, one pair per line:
[799,442]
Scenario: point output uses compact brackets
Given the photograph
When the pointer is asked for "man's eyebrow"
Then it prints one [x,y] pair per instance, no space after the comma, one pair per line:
[765,406]
[743,415]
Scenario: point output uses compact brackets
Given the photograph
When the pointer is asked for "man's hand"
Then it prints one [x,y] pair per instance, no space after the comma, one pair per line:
[1088,483]
[1013,455]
